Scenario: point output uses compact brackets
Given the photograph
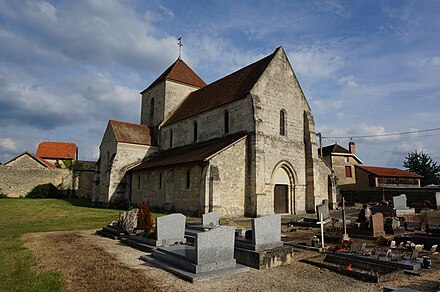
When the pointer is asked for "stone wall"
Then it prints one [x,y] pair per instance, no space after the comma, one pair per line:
[278,90]
[25,161]
[210,124]
[338,165]
[171,194]
[15,182]
[225,182]
[167,96]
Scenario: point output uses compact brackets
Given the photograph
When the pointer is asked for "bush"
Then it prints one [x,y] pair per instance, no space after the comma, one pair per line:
[3,196]
[46,191]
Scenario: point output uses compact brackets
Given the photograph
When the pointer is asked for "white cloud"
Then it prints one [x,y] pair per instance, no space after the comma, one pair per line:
[315,62]
[8,144]
[348,82]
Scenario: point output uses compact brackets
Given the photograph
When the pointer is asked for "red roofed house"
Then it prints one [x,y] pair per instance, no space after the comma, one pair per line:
[242,145]
[370,177]
[61,154]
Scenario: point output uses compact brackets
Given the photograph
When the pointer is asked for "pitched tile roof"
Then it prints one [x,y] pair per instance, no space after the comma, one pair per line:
[181,72]
[57,150]
[133,133]
[187,154]
[389,172]
[35,157]
[223,91]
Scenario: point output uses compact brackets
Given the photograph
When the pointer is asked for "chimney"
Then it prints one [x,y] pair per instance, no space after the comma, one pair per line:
[352,147]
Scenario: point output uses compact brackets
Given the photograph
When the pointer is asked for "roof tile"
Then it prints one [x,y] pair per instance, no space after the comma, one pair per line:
[133,133]
[56,150]
[389,172]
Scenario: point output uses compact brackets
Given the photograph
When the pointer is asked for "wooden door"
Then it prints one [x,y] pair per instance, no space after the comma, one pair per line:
[281,199]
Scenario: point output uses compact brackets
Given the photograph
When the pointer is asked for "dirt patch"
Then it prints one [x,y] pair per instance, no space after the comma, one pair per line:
[85,266]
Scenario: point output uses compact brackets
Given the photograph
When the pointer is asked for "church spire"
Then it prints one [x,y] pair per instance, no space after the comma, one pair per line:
[180,47]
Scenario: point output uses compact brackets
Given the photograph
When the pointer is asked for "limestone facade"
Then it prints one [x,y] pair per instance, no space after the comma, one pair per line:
[270,163]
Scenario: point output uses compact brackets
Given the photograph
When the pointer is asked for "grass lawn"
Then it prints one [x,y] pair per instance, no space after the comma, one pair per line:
[20,216]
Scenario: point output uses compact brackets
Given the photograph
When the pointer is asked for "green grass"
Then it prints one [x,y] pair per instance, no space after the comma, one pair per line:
[20,216]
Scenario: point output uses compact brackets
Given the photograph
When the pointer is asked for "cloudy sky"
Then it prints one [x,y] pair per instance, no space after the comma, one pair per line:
[366,67]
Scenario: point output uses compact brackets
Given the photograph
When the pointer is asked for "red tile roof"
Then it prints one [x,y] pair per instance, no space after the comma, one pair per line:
[133,133]
[57,150]
[223,91]
[389,172]
[181,72]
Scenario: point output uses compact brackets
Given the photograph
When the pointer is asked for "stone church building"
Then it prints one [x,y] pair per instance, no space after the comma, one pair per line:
[244,145]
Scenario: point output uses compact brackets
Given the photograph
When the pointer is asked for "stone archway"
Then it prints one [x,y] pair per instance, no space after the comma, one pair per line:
[283,183]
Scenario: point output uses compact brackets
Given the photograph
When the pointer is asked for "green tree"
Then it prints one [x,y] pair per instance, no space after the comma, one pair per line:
[422,164]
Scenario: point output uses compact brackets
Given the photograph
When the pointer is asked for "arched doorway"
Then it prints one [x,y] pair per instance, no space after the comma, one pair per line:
[283,190]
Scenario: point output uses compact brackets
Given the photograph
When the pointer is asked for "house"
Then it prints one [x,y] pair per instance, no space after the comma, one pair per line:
[343,163]
[371,177]
[28,160]
[244,145]
[61,154]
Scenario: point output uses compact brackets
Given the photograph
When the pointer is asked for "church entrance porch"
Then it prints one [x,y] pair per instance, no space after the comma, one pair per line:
[281,199]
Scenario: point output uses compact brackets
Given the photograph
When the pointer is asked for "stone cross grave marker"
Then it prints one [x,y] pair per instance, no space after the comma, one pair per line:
[210,219]
[170,228]
[377,225]
[266,229]
[399,202]
[215,246]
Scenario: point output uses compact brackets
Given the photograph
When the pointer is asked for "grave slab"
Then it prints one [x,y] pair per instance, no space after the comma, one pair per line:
[211,219]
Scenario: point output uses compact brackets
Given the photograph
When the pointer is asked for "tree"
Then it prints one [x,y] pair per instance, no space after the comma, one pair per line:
[422,164]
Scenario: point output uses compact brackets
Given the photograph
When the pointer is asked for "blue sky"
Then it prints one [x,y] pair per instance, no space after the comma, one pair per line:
[366,67]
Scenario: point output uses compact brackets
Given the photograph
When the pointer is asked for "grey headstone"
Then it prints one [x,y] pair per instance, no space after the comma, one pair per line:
[399,202]
[211,219]
[266,229]
[377,224]
[322,209]
[437,199]
[170,228]
[215,245]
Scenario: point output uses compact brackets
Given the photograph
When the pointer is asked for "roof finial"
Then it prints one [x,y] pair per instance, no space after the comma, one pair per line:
[180,46]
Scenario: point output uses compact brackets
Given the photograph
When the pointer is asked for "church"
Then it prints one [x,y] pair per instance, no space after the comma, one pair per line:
[244,145]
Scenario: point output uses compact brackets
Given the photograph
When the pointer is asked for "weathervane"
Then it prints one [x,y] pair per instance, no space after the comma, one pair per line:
[180,46]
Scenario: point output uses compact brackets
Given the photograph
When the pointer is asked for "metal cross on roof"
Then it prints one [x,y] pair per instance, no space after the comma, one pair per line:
[180,46]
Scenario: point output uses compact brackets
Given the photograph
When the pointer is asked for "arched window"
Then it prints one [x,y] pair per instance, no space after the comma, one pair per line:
[171,138]
[151,110]
[226,118]
[282,123]
[195,131]
[188,179]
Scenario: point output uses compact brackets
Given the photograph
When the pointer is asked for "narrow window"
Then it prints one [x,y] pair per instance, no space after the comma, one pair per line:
[282,123]
[151,110]
[188,179]
[171,138]
[139,181]
[160,181]
[195,131]
[226,122]
[348,171]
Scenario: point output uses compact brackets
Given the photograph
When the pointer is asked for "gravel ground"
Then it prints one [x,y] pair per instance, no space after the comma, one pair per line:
[296,276]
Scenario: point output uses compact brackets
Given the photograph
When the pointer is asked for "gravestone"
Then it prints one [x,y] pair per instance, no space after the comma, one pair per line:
[400,206]
[128,220]
[323,209]
[210,219]
[170,229]
[377,225]
[437,199]
[211,256]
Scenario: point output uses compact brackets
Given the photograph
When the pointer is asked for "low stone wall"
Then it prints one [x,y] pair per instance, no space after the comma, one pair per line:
[414,196]
[15,182]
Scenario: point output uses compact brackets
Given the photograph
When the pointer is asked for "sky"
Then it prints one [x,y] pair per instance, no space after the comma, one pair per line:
[366,67]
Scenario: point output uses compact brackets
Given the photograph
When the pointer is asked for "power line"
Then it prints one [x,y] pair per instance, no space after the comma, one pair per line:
[381,135]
